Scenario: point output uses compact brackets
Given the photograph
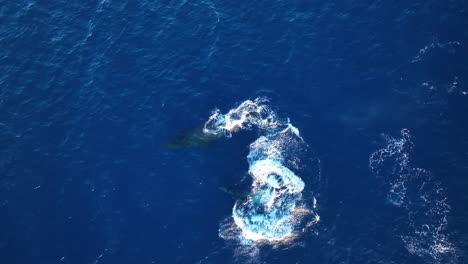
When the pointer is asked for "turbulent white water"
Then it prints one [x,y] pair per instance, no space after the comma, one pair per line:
[420,195]
[273,210]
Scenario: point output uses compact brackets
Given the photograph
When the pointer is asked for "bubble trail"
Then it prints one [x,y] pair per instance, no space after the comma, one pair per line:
[273,210]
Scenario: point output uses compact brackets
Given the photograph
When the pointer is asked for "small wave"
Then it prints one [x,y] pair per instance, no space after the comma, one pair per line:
[420,195]
[274,210]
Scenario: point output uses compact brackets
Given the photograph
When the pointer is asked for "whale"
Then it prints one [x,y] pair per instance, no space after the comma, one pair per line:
[193,137]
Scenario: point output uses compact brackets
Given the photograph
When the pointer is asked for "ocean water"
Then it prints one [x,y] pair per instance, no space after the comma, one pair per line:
[365,160]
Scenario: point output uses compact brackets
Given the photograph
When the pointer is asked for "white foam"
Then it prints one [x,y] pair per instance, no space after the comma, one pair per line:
[271,212]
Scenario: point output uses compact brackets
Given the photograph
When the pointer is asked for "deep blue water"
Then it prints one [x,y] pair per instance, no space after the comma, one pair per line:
[91,91]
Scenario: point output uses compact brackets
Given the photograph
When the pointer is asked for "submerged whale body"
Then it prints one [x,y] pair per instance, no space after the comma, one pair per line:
[191,138]
[236,192]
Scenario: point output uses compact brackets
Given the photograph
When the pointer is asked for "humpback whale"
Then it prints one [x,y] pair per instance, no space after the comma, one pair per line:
[191,138]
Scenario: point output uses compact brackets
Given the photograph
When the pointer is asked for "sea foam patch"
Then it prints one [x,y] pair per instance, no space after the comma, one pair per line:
[420,195]
[273,210]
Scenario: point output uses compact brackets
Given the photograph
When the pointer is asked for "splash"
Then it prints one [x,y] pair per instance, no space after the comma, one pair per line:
[420,195]
[273,210]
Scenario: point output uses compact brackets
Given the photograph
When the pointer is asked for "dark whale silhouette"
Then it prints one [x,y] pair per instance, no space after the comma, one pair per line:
[236,192]
[191,138]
